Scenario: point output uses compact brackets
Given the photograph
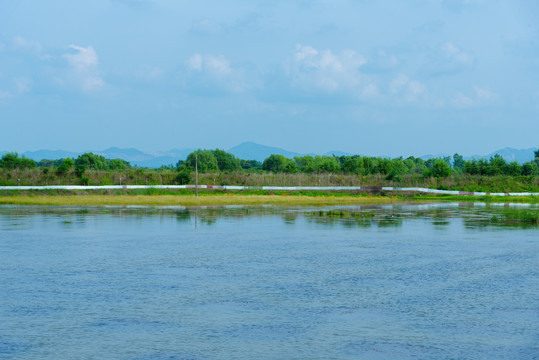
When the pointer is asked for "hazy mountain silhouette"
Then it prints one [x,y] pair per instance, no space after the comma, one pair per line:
[247,150]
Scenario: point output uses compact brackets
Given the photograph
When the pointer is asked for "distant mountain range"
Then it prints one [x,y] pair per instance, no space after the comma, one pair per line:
[253,151]
[246,150]
[509,154]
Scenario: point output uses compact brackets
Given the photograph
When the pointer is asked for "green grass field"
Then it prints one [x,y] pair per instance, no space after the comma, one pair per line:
[215,197]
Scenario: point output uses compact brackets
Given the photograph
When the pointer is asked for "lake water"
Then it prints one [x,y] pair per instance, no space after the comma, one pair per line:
[393,282]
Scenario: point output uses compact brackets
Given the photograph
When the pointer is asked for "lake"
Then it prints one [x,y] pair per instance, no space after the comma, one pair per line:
[434,281]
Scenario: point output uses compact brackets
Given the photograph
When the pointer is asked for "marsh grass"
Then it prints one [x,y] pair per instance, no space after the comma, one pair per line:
[138,176]
[153,196]
[524,216]
[343,214]
[191,200]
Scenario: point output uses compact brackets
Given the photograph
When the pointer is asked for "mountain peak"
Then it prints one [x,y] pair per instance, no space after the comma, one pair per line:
[249,150]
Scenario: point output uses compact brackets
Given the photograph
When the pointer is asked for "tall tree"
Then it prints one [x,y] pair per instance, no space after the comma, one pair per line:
[206,160]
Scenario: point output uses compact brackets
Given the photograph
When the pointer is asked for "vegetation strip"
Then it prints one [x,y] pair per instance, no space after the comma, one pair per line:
[191,200]
[268,188]
[220,170]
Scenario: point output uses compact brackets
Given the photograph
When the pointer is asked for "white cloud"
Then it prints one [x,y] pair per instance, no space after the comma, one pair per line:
[369,91]
[195,62]
[18,87]
[398,83]
[455,54]
[324,70]
[149,73]
[84,58]
[28,45]
[216,65]
[415,88]
[21,44]
[84,67]
[484,93]
[461,100]
[478,97]
[409,90]
[212,74]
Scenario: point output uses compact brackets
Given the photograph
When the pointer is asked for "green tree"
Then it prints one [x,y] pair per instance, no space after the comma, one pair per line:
[536,153]
[91,161]
[440,169]
[370,164]
[497,165]
[290,166]
[183,177]
[305,163]
[328,164]
[11,160]
[275,163]
[513,169]
[226,161]
[206,160]
[458,162]
[65,166]
[250,164]
[384,166]
[118,164]
[471,167]
[353,165]
[530,169]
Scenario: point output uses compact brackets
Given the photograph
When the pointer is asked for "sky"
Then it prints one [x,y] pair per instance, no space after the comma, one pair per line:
[381,78]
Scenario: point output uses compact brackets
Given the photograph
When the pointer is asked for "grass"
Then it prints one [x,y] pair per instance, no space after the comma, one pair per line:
[186,197]
[517,216]
[137,176]
[191,200]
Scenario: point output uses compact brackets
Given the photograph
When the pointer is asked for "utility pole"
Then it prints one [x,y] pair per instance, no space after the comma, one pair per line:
[196,174]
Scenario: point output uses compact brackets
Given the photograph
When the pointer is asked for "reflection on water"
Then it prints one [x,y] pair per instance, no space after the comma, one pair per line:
[473,215]
[367,282]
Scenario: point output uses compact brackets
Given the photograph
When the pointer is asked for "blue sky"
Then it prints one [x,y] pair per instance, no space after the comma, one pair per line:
[371,77]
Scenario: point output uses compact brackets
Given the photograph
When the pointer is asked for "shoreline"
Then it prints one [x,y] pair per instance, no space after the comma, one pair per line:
[235,198]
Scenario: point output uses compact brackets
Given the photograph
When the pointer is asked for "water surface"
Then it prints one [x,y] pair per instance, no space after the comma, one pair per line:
[407,282]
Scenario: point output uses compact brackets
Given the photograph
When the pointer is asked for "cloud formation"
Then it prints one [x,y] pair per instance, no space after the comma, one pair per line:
[455,54]
[323,70]
[216,65]
[478,97]
[213,74]
[84,67]
[408,90]
[28,45]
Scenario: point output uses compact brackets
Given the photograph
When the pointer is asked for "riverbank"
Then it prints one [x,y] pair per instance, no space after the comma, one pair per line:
[207,198]
[192,200]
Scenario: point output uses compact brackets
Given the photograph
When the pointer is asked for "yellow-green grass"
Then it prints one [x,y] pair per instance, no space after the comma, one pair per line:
[191,200]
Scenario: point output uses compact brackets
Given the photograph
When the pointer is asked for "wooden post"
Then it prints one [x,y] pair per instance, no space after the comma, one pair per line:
[196,174]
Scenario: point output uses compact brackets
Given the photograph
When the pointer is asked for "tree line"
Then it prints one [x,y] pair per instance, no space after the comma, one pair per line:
[86,161]
[221,161]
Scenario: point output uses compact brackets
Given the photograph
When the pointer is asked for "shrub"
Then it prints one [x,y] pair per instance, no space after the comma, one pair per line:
[65,166]
[183,177]
[440,168]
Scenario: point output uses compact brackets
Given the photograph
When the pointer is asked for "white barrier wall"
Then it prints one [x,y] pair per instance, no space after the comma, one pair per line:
[270,188]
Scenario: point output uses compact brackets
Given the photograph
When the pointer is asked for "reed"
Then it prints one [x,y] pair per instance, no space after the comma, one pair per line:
[523,216]
[137,176]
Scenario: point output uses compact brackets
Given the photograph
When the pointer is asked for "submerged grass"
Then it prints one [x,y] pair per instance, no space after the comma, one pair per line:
[523,216]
